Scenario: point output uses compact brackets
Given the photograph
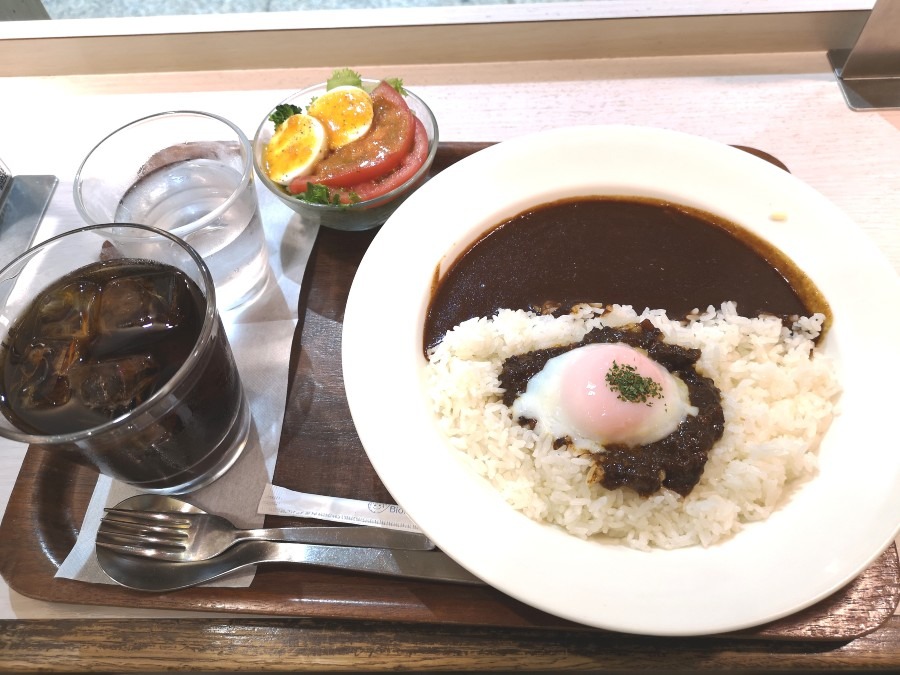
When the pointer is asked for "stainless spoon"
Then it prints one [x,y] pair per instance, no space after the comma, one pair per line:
[146,574]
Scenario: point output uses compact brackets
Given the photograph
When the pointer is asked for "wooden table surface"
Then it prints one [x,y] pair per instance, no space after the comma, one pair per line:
[785,104]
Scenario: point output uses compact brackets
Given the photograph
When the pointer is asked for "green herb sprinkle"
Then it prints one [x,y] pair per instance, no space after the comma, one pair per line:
[632,386]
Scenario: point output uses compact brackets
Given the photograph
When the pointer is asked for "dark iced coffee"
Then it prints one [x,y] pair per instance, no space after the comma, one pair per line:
[100,342]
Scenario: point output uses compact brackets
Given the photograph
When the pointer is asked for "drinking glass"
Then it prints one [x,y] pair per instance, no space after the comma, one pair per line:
[167,410]
[190,173]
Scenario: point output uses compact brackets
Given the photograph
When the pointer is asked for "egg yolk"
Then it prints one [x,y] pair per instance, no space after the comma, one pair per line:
[346,112]
[295,148]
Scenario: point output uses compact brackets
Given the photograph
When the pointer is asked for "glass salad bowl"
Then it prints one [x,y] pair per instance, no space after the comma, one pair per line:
[358,214]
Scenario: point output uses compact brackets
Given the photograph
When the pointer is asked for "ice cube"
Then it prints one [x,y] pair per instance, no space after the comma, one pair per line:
[117,386]
[66,312]
[45,371]
[149,300]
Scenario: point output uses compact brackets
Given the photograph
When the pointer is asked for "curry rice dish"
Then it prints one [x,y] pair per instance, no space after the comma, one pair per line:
[777,394]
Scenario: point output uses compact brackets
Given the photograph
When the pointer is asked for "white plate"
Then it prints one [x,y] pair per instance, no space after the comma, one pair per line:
[829,532]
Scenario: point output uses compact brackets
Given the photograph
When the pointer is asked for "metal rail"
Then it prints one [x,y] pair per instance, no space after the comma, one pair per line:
[869,73]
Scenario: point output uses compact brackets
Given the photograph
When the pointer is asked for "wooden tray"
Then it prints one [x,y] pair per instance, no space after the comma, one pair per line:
[321,453]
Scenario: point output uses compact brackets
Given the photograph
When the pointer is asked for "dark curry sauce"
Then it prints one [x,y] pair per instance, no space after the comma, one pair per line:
[618,250]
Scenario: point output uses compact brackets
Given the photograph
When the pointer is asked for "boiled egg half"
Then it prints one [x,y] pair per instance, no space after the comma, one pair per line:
[332,120]
[297,145]
[602,394]
[346,112]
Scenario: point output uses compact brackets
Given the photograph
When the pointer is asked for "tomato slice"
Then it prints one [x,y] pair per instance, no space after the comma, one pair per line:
[377,153]
[383,184]
[407,169]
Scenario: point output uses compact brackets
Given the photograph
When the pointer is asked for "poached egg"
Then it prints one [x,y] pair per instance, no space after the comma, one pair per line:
[602,394]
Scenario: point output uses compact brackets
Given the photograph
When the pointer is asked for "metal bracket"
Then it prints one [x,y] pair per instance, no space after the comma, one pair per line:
[23,202]
[869,74]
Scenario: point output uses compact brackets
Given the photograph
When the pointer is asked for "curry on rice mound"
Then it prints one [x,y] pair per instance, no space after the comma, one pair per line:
[742,320]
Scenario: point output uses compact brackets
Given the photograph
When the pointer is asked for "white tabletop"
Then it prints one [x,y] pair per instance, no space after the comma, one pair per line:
[787,105]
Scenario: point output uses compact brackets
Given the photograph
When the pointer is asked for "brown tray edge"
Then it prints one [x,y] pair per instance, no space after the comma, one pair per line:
[825,621]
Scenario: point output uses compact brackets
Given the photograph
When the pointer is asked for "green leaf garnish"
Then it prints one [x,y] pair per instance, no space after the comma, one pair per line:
[631,386]
[318,194]
[397,84]
[282,112]
[321,194]
[344,77]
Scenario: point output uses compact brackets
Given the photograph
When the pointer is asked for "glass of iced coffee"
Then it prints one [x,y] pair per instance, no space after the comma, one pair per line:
[113,354]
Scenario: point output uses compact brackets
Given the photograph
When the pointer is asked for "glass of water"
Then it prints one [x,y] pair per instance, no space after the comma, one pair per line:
[189,173]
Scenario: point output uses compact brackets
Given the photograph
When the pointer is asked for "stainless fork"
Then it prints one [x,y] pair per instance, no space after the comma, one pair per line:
[184,537]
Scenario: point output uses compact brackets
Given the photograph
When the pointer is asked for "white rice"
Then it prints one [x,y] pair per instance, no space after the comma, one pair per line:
[778,396]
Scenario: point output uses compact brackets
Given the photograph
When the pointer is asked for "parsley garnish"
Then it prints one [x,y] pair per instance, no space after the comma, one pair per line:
[282,112]
[631,386]
[320,194]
